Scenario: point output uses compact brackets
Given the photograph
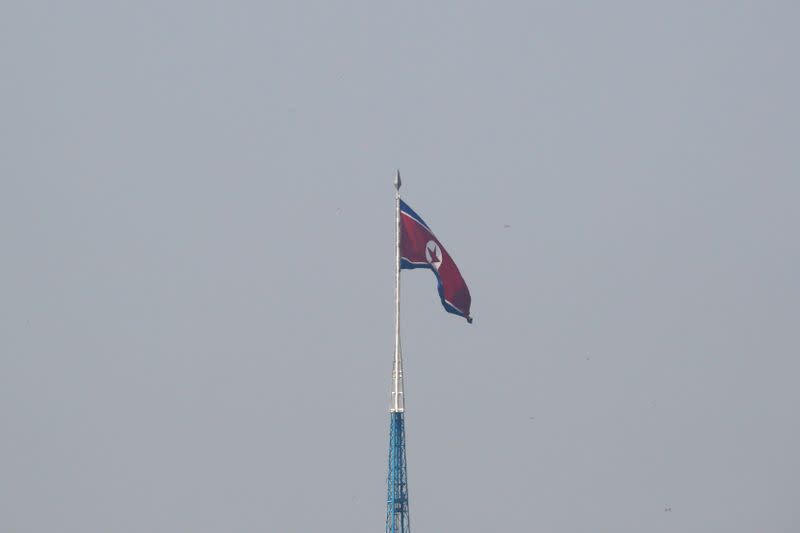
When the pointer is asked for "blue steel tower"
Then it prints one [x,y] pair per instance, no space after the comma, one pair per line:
[397,517]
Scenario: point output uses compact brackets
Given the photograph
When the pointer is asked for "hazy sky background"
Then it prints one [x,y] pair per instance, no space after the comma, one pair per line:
[196,275]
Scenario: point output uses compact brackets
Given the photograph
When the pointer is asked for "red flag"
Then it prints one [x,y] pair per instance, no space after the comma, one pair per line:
[419,248]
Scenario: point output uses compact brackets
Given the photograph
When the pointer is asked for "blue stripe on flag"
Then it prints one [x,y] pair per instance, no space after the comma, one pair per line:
[410,212]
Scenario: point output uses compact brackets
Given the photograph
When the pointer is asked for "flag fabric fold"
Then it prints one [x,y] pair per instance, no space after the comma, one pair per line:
[419,248]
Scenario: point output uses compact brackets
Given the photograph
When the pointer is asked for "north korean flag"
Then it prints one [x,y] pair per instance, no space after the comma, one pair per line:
[419,248]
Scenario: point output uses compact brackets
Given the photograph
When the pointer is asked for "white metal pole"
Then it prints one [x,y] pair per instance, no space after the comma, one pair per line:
[398,398]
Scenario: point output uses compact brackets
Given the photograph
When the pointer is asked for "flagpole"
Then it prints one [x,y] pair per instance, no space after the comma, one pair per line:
[398,396]
[397,515]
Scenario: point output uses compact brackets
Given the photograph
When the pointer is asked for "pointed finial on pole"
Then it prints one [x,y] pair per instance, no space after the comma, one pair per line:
[397,181]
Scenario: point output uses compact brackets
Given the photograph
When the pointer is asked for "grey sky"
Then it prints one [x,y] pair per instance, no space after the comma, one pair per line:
[196,268]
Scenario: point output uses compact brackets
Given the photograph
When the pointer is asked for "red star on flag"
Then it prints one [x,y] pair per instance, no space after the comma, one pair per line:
[434,257]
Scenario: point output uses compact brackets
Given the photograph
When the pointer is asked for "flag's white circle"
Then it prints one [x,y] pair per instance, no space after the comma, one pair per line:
[433,254]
